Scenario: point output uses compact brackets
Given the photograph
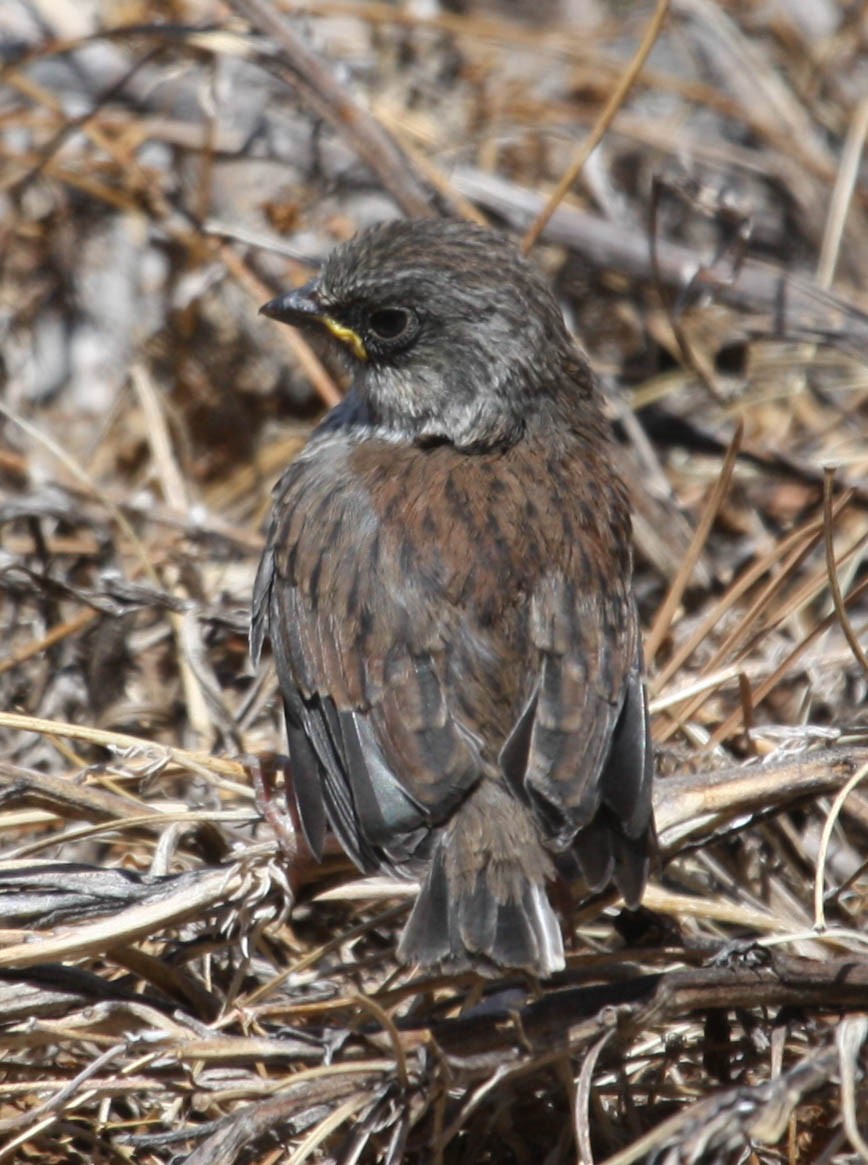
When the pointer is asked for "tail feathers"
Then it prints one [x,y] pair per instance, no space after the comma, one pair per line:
[606,853]
[480,927]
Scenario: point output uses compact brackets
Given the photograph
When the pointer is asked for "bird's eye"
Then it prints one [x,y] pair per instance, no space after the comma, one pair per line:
[392,323]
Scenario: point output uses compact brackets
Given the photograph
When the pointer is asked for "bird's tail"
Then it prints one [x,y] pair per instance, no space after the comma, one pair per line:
[483,901]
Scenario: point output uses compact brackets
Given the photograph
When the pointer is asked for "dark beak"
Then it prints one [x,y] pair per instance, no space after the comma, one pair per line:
[297,307]
[303,307]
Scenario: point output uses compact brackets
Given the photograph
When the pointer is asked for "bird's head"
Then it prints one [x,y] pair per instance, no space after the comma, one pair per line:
[449,332]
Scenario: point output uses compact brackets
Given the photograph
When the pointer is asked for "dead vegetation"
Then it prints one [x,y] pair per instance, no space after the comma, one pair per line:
[165,168]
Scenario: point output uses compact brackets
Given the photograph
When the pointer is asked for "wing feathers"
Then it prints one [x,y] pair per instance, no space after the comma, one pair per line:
[588,761]
[626,780]
[307,779]
[373,741]
[415,677]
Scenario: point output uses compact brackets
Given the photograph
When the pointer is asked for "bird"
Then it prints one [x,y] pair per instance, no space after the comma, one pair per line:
[446,587]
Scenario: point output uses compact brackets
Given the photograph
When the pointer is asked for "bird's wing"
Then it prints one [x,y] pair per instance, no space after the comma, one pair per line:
[358,646]
[580,749]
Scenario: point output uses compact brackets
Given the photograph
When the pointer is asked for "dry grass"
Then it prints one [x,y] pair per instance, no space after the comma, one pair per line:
[172,989]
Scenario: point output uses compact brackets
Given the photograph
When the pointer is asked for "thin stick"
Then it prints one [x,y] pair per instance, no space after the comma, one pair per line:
[731,722]
[82,476]
[664,616]
[834,584]
[842,194]
[596,135]
[808,535]
[828,826]
[121,740]
[317,85]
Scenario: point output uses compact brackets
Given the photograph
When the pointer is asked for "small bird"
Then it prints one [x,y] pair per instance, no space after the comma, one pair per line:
[446,586]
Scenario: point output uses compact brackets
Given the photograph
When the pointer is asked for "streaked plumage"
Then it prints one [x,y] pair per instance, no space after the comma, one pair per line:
[446,589]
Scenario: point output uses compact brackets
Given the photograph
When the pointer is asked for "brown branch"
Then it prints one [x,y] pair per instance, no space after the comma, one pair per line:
[617,99]
[317,86]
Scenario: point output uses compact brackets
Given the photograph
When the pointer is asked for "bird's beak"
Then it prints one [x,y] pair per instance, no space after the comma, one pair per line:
[297,307]
[302,307]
